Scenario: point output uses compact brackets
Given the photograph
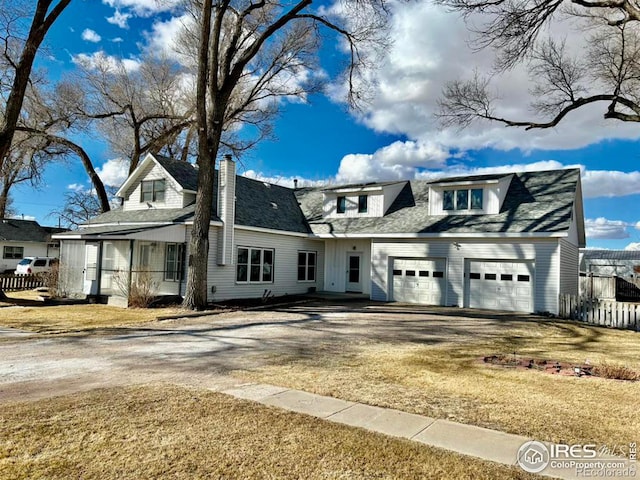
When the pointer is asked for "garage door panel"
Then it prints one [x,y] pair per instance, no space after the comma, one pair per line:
[503,285]
[419,281]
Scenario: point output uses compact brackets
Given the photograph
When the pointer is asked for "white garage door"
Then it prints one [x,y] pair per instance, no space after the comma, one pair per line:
[503,285]
[419,280]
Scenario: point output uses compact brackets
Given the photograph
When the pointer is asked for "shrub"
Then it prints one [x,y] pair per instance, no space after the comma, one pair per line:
[616,372]
[142,289]
[51,280]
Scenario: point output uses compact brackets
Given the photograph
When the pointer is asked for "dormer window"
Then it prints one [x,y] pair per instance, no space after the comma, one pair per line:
[341,206]
[362,203]
[152,190]
[462,199]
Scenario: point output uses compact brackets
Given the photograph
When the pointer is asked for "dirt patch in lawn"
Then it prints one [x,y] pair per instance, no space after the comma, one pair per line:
[160,431]
[446,380]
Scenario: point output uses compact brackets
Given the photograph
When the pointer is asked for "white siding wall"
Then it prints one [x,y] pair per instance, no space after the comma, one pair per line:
[390,194]
[226,211]
[172,196]
[285,266]
[545,254]
[375,205]
[491,200]
[568,267]
[30,249]
[336,263]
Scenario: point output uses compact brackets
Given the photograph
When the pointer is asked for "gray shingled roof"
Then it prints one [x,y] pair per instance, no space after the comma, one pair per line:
[24,231]
[264,205]
[183,172]
[592,254]
[150,215]
[535,202]
[258,204]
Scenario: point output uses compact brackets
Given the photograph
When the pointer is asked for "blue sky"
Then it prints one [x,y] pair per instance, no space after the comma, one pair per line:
[395,137]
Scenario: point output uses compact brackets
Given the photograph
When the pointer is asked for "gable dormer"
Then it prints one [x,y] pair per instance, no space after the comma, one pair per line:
[159,182]
[364,200]
[468,196]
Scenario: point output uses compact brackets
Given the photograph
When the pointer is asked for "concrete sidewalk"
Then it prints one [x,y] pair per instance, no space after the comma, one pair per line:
[477,442]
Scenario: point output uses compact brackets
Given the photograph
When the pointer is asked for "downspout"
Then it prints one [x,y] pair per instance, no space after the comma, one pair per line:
[184,256]
[99,269]
[130,267]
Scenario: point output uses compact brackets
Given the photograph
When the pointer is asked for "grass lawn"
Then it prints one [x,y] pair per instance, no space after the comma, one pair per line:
[448,380]
[161,431]
[22,310]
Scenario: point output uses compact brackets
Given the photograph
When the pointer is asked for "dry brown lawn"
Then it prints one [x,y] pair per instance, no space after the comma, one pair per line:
[160,432]
[23,310]
[449,381]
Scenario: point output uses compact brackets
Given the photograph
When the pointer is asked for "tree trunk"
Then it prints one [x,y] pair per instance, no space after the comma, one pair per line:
[39,26]
[4,199]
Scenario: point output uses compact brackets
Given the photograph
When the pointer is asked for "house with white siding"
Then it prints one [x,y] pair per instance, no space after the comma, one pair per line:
[503,241]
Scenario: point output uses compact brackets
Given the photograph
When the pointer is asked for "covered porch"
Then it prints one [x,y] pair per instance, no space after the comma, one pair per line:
[110,262]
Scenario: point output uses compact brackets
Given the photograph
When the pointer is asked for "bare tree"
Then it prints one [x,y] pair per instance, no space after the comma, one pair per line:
[604,70]
[250,56]
[18,55]
[80,206]
[140,108]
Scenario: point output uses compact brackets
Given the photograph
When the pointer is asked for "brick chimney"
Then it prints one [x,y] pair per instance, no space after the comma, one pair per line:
[226,209]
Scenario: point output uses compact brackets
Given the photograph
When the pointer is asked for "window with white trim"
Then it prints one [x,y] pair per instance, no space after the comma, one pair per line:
[152,190]
[13,252]
[174,262]
[254,265]
[463,199]
[306,266]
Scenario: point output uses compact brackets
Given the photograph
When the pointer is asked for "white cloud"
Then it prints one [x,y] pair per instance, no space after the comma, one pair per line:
[144,8]
[101,60]
[633,246]
[117,40]
[610,183]
[120,19]
[393,162]
[76,187]
[431,47]
[91,36]
[164,34]
[113,172]
[602,228]
[283,180]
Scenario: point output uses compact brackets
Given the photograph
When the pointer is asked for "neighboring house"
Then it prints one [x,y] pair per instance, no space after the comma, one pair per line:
[25,238]
[504,241]
[621,263]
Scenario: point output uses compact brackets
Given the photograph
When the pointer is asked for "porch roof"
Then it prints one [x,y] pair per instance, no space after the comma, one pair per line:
[164,233]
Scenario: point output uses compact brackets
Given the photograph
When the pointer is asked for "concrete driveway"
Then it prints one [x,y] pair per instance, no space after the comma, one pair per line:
[206,350]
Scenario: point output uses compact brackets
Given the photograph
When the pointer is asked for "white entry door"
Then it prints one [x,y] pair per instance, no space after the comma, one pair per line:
[500,285]
[420,280]
[91,269]
[354,272]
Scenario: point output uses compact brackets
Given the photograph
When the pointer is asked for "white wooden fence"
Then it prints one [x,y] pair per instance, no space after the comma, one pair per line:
[607,313]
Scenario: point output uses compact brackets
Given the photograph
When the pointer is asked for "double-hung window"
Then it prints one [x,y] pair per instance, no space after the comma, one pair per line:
[13,252]
[174,262]
[306,266]
[152,190]
[254,265]
[362,203]
[341,205]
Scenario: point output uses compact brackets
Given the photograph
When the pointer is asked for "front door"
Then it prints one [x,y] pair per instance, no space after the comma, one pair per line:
[354,273]
[91,269]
